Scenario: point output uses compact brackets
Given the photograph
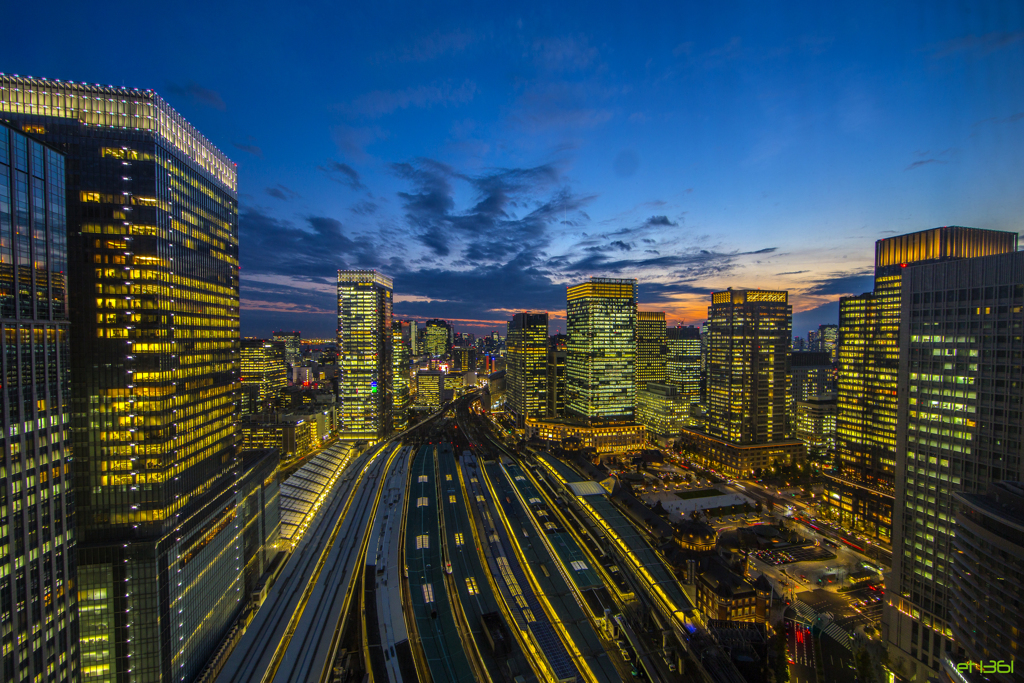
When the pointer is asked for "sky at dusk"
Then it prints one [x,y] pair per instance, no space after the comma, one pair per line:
[487,157]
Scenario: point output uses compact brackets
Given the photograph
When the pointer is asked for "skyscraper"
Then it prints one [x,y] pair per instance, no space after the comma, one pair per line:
[860,489]
[556,382]
[365,352]
[748,338]
[811,375]
[600,384]
[650,348]
[153,287]
[401,334]
[292,342]
[682,364]
[36,531]
[958,430]
[827,340]
[438,334]
[526,381]
[264,374]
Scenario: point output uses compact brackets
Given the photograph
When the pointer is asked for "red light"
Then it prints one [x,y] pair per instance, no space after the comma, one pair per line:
[903,265]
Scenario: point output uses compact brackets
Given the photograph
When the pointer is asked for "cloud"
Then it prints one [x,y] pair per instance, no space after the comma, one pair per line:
[249,149]
[688,265]
[281,192]
[839,283]
[978,46]
[342,173]
[352,141]
[924,162]
[792,272]
[198,94]
[364,208]
[429,47]
[379,103]
[562,105]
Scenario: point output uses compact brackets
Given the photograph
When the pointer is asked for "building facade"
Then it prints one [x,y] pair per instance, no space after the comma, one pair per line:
[682,362]
[961,387]
[526,369]
[816,424]
[429,387]
[365,350]
[401,336]
[292,344]
[556,382]
[861,487]
[651,350]
[663,411]
[38,614]
[264,374]
[153,298]
[437,337]
[987,604]
[600,385]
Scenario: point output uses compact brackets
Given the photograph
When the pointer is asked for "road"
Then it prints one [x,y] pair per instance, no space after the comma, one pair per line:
[800,650]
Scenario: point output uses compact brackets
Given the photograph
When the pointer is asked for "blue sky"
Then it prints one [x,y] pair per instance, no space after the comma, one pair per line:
[486,157]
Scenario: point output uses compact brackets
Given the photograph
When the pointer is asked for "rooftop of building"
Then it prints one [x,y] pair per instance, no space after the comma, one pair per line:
[724,582]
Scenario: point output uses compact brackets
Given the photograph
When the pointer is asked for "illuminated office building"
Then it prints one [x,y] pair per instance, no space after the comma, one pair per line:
[429,387]
[465,358]
[153,298]
[437,337]
[960,395]
[650,348]
[748,338]
[600,384]
[663,411]
[37,541]
[264,374]
[556,382]
[292,342]
[815,423]
[400,344]
[861,486]
[682,364]
[811,374]
[827,340]
[365,352]
[414,338]
[526,376]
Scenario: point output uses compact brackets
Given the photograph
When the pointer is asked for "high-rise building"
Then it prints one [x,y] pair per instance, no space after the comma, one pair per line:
[960,392]
[153,299]
[365,352]
[811,374]
[438,335]
[264,374]
[465,358]
[860,488]
[651,350]
[827,340]
[815,423]
[600,384]
[556,382]
[986,604]
[526,377]
[683,363]
[414,338]
[37,582]
[292,342]
[401,393]
[749,332]
[663,411]
[429,387]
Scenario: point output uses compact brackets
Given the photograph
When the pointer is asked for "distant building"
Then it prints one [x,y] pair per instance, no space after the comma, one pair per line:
[958,429]
[986,613]
[465,358]
[816,424]
[264,374]
[811,374]
[663,411]
[827,340]
[365,347]
[556,382]
[292,342]
[601,322]
[526,369]
[860,493]
[400,391]
[438,337]
[429,387]
[748,338]
[651,349]
[626,437]
[683,363]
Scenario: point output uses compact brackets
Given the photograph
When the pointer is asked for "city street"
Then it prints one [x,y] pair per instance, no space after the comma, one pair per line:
[800,650]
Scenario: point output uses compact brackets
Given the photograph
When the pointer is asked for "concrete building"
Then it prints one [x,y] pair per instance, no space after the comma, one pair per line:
[816,424]
[960,390]
[429,387]
[860,492]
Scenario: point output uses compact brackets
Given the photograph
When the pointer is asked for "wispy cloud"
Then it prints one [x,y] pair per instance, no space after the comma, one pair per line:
[342,173]
[197,93]
[281,192]
[379,103]
[254,150]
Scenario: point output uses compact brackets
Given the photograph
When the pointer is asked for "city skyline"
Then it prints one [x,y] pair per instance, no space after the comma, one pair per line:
[510,156]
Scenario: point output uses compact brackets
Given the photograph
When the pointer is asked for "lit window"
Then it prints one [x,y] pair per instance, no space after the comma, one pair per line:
[422,541]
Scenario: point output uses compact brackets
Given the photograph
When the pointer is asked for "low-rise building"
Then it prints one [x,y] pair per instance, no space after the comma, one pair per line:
[723,594]
[816,423]
[740,461]
[663,410]
[622,437]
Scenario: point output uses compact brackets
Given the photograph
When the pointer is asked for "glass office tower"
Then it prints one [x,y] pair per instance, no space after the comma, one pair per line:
[292,343]
[365,352]
[860,489]
[37,540]
[600,385]
[526,370]
[264,374]
[650,348]
[682,365]
[153,298]
[401,337]
[438,336]
[960,395]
